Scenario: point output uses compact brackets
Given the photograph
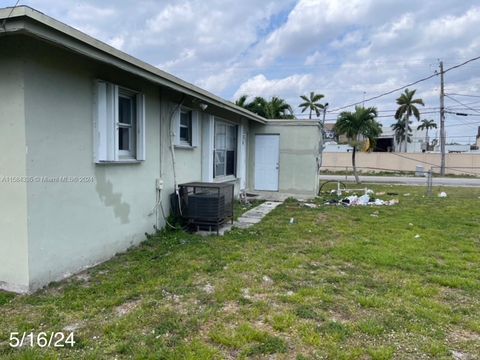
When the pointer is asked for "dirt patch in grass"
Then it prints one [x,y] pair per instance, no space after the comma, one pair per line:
[127,308]
[463,336]
[322,218]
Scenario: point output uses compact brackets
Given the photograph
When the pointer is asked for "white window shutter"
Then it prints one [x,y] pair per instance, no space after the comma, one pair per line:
[175,130]
[104,127]
[113,91]
[141,143]
[195,128]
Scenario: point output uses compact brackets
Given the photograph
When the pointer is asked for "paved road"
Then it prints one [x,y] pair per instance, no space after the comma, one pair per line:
[407,180]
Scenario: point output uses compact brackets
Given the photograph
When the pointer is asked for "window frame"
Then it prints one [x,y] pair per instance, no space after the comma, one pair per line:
[107,125]
[189,127]
[129,154]
[233,147]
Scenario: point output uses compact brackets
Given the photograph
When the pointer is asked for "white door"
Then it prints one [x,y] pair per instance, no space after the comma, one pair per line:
[267,158]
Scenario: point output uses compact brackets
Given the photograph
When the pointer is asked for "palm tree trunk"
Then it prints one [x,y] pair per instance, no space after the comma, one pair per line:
[426,139]
[354,166]
[406,130]
[310,116]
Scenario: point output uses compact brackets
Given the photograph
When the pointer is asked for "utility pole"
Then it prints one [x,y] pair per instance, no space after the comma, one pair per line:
[324,113]
[442,120]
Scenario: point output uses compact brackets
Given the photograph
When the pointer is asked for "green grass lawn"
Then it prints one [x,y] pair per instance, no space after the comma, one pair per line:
[338,283]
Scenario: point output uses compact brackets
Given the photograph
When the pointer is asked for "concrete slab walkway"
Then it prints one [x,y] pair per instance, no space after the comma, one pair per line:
[248,218]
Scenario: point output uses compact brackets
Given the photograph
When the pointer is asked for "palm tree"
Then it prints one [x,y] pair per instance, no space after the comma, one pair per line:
[399,129]
[278,108]
[357,125]
[407,108]
[427,125]
[242,101]
[312,103]
[275,108]
[258,105]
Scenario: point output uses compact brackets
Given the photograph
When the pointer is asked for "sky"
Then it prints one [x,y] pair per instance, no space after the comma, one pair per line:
[346,50]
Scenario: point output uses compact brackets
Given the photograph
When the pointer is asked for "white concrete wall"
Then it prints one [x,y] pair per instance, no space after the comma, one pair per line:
[13,195]
[456,163]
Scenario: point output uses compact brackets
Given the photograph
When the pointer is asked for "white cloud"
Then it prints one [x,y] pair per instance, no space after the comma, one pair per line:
[260,85]
[117,42]
[287,48]
[311,23]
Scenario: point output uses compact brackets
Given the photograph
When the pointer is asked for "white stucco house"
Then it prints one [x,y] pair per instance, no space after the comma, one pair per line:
[92,140]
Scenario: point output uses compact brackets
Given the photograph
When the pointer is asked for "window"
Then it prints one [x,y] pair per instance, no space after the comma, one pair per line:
[225,148]
[126,125]
[119,124]
[186,127]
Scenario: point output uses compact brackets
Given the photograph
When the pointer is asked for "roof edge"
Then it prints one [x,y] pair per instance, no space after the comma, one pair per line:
[167,79]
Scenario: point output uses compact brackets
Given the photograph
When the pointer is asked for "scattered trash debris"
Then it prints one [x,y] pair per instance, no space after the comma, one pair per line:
[375,214]
[309,205]
[443,194]
[417,236]
[354,200]
[292,221]
[363,200]
[380,193]
[410,224]
[406,194]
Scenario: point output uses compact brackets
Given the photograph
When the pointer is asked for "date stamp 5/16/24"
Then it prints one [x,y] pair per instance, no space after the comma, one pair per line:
[41,339]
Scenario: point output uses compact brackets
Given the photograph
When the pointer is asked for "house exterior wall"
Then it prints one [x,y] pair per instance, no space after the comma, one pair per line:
[81,213]
[299,152]
[13,195]
[77,213]
[77,224]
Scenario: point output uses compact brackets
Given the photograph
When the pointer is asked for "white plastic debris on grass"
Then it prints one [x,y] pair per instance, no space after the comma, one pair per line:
[309,205]
[364,200]
[443,194]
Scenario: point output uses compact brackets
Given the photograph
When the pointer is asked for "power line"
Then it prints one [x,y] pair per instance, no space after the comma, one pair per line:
[454,94]
[462,64]
[459,102]
[11,12]
[406,86]
[386,93]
